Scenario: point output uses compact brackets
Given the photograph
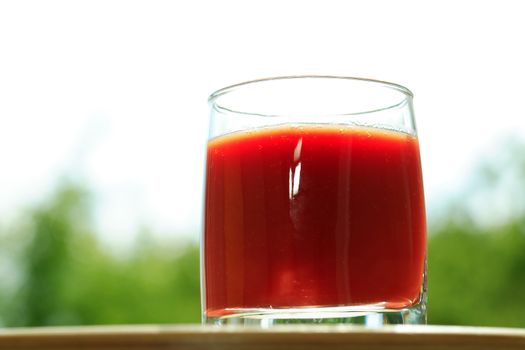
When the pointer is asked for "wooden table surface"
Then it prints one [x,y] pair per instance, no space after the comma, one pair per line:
[283,337]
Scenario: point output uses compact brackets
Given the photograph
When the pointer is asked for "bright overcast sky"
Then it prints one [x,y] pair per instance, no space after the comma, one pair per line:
[114,92]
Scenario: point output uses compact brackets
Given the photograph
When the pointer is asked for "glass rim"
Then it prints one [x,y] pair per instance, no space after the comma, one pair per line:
[212,99]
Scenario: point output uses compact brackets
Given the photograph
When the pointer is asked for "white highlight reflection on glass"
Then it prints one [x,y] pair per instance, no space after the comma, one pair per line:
[297,150]
[295,174]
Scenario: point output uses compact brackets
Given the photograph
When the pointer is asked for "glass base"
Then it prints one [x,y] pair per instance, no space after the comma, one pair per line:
[368,316]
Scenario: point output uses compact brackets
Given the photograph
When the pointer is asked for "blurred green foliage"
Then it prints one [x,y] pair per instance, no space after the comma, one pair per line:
[54,270]
[476,251]
[66,277]
[477,277]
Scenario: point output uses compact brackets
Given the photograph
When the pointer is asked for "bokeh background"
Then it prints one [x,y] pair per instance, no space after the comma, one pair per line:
[103,126]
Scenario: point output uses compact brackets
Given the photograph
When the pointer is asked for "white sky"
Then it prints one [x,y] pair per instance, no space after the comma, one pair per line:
[114,92]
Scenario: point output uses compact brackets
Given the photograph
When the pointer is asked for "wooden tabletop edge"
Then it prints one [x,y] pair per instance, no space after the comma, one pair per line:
[193,329]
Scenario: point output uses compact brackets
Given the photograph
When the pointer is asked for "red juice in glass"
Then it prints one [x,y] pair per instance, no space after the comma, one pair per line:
[313,215]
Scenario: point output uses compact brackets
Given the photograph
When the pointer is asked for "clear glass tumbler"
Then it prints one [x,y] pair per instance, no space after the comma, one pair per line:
[314,205]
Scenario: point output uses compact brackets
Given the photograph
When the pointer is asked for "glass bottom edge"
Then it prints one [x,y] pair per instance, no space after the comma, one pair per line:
[368,316]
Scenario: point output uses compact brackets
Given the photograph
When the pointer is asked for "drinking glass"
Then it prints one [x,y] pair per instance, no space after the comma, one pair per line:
[314,206]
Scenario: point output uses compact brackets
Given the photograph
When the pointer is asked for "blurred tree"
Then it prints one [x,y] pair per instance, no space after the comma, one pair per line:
[46,258]
[477,252]
[67,277]
[477,278]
